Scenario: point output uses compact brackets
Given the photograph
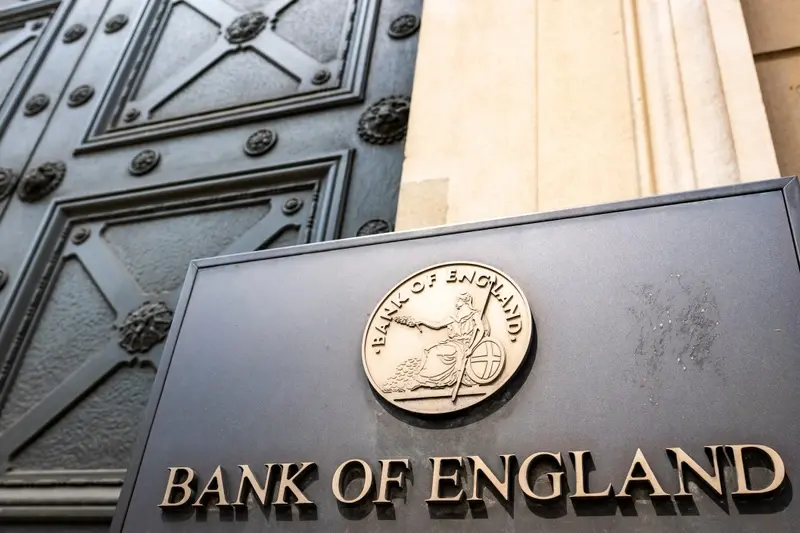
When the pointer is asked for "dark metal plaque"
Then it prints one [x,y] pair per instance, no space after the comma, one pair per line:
[658,323]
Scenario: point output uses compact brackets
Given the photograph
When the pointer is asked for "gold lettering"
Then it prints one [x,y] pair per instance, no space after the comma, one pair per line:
[248,479]
[288,484]
[438,478]
[451,276]
[582,481]
[417,287]
[486,281]
[379,341]
[682,459]
[555,477]
[399,479]
[778,469]
[344,468]
[398,303]
[185,486]
[479,467]
[218,489]
[467,277]
[496,290]
[387,314]
[649,477]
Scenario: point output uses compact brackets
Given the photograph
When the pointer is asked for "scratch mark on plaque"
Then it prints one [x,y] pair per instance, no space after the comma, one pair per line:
[675,323]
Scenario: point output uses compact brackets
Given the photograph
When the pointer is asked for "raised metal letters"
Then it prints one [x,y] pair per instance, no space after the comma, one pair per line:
[682,459]
[342,471]
[649,477]
[447,338]
[185,487]
[399,480]
[446,479]
[40,181]
[556,478]
[778,468]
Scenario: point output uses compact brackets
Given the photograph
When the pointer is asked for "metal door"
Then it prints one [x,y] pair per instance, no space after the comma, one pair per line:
[138,135]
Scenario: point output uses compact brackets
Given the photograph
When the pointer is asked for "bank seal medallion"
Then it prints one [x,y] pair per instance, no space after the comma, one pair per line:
[447,337]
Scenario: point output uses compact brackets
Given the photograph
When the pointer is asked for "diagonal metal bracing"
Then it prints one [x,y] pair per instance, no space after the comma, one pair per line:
[60,399]
[274,48]
[217,11]
[15,42]
[110,275]
[273,9]
[290,58]
[178,81]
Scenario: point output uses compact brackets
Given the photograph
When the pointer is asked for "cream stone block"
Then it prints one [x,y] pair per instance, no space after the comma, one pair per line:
[586,140]
[531,105]
[472,115]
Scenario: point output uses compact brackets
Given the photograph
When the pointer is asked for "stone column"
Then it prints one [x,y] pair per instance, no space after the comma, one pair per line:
[534,105]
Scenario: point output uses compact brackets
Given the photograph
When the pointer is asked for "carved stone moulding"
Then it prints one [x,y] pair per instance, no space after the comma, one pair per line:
[404,26]
[115,23]
[260,142]
[80,95]
[8,179]
[292,206]
[246,27]
[144,162]
[36,104]
[73,33]
[385,121]
[145,327]
[39,182]
[374,227]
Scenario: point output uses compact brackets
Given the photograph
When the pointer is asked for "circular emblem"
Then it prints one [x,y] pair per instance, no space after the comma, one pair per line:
[374,227]
[73,33]
[145,327]
[403,26]
[115,23]
[246,27]
[385,121]
[260,142]
[447,338]
[80,95]
[36,104]
[144,162]
[131,115]
[40,181]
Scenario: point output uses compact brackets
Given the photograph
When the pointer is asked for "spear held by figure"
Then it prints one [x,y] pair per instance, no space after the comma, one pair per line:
[472,345]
